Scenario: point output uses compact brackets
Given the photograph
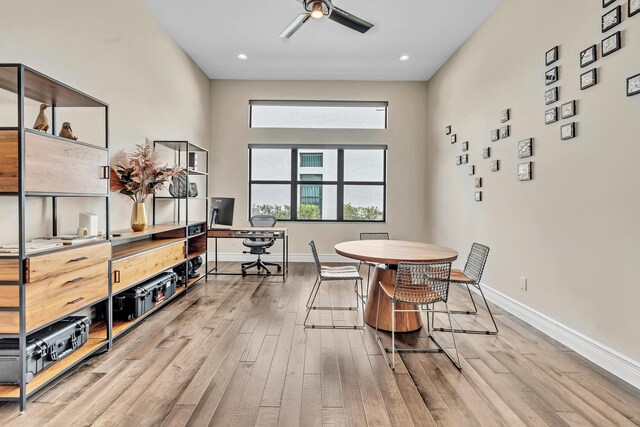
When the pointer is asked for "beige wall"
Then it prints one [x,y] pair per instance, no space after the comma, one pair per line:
[405,136]
[573,231]
[118,53]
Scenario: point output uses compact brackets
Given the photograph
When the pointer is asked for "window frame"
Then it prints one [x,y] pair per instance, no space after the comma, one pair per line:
[340,183]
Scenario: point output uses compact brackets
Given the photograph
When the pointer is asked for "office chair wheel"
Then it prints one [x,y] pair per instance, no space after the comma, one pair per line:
[279,268]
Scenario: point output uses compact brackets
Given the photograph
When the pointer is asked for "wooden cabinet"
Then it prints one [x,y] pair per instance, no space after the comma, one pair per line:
[8,161]
[10,296]
[53,165]
[45,266]
[9,270]
[55,297]
[136,268]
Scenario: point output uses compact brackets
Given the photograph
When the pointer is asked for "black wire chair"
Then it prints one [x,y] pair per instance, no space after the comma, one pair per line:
[326,274]
[423,284]
[471,276]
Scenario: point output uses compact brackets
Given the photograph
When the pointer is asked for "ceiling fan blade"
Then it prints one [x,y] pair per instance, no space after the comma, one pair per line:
[348,20]
[295,25]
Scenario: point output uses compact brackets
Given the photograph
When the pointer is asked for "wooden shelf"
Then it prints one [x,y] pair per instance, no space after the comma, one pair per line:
[196,254]
[151,229]
[193,281]
[91,346]
[197,235]
[197,173]
[122,326]
[60,138]
[131,248]
[44,89]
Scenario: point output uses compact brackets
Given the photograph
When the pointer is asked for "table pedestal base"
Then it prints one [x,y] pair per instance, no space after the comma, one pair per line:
[405,322]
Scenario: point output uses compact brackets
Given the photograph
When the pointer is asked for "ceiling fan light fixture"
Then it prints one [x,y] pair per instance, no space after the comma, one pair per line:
[317,10]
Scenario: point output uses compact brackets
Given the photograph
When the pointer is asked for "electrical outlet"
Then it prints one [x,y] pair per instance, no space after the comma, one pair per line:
[523,283]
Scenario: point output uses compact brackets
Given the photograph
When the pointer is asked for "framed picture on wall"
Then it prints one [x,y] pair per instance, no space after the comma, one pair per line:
[486,152]
[478,196]
[495,135]
[551,95]
[633,7]
[611,44]
[454,138]
[551,76]
[525,148]
[505,115]
[505,131]
[478,182]
[568,131]
[472,170]
[465,159]
[465,146]
[606,3]
[447,130]
[524,171]
[551,56]
[495,165]
[458,160]
[568,109]
[551,115]
[589,56]
[633,85]
[588,79]
[611,18]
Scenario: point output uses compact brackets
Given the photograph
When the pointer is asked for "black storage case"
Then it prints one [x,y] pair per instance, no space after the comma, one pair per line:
[133,303]
[44,348]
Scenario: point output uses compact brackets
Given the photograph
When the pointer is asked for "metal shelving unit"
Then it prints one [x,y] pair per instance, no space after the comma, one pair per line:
[182,150]
[28,83]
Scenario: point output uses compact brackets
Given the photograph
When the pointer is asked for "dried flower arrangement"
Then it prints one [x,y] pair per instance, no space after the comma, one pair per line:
[140,175]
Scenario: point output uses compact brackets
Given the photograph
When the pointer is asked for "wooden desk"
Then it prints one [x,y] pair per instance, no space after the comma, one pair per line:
[225,232]
[388,254]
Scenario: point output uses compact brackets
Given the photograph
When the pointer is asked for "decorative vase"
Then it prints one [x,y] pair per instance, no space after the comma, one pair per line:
[138,217]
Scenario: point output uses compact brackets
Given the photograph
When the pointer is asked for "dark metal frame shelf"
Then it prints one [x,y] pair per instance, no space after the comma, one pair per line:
[28,83]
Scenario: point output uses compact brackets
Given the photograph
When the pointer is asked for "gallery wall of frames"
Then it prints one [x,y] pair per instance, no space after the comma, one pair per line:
[559,112]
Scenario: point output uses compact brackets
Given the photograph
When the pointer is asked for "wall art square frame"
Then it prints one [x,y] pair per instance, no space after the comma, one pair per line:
[465,159]
[611,44]
[525,171]
[495,135]
[477,182]
[458,160]
[495,165]
[568,131]
[486,152]
[551,96]
[568,109]
[552,55]
[588,56]
[525,148]
[612,19]
[588,79]
[551,76]
[478,196]
[505,132]
[447,130]
[606,3]
[472,170]
[465,146]
[551,116]
[633,85]
[454,138]
[505,115]
[633,8]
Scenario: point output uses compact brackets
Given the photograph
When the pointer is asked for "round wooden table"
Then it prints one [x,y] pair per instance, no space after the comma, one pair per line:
[387,254]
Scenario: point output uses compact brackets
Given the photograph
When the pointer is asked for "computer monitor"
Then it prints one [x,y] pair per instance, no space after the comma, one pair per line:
[221,211]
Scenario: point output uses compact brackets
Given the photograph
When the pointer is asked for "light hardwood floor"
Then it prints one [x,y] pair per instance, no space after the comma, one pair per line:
[234,352]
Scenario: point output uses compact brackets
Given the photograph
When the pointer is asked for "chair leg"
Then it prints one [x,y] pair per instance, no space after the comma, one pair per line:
[312,290]
[453,337]
[473,331]
[311,306]
[393,336]
[473,301]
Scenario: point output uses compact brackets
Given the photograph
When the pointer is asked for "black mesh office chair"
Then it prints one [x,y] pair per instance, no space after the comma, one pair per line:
[259,245]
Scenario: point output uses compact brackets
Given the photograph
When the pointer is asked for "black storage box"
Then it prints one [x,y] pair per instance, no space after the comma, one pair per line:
[44,348]
[136,301]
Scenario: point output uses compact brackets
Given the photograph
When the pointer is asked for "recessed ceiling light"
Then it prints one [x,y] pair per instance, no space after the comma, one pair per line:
[243,57]
[404,58]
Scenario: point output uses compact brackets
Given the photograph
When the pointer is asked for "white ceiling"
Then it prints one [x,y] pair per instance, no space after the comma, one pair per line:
[214,32]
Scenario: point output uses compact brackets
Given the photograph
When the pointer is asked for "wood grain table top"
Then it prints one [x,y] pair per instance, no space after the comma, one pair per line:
[394,251]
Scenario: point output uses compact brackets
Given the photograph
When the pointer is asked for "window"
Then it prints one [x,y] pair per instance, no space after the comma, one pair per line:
[322,183]
[318,114]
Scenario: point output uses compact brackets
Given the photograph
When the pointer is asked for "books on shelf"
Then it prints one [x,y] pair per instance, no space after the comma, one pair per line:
[13,249]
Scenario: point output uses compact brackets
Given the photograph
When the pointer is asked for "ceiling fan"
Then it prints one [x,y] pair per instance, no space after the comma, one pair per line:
[317,9]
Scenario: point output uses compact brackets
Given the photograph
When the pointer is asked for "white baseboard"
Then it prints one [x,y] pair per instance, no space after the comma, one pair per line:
[277,257]
[609,359]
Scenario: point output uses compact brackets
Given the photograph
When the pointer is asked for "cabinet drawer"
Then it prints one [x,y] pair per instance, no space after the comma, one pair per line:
[9,270]
[58,166]
[9,322]
[64,294]
[9,296]
[136,268]
[46,266]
